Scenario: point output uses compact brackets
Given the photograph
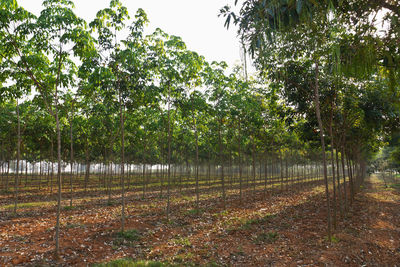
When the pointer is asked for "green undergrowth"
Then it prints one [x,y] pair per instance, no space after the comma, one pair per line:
[266,237]
[182,241]
[395,186]
[236,223]
[127,262]
[28,205]
[193,212]
[334,239]
[67,208]
[130,263]
[127,238]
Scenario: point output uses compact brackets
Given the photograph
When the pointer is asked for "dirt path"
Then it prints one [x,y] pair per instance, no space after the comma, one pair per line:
[371,234]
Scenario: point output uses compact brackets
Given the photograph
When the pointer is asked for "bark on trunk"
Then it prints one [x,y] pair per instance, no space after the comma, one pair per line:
[321,131]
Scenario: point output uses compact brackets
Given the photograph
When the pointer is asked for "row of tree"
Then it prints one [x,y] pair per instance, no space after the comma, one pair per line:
[99,96]
[336,61]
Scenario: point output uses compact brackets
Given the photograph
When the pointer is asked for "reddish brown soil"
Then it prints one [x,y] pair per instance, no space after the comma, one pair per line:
[281,229]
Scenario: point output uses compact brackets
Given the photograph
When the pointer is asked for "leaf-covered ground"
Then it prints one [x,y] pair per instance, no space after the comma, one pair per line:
[280,229]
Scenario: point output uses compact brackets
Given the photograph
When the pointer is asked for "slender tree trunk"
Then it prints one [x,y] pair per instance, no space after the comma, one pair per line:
[265,173]
[110,174]
[71,159]
[18,156]
[52,166]
[221,162]
[8,175]
[253,152]
[87,172]
[59,181]
[40,169]
[321,131]
[351,183]
[122,109]
[144,173]
[281,168]
[338,183]
[197,163]
[169,153]
[240,160]
[333,169]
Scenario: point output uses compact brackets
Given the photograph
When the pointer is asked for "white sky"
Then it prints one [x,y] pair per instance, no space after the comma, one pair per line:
[196,21]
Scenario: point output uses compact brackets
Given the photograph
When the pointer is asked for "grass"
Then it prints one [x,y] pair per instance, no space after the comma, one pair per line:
[181,258]
[334,239]
[194,212]
[266,237]
[395,186]
[127,237]
[28,205]
[237,223]
[67,208]
[130,263]
[183,241]
[127,262]
[261,220]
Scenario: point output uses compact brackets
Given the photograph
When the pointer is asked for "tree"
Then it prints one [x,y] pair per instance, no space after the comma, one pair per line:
[42,47]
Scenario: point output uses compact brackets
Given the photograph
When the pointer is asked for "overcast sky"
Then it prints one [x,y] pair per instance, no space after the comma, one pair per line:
[196,21]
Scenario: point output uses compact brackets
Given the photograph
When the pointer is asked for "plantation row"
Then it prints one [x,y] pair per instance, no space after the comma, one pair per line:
[98,106]
[146,180]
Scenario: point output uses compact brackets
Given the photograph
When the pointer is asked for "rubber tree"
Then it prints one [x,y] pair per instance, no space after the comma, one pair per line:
[218,94]
[166,52]
[44,54]
[108,24]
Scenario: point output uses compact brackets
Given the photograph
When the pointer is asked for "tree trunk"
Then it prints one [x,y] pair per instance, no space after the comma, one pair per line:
[87,160]
[333,169]
[122,163]
[253,152]
[71,160]
[144,173]
[240,160]
[169,153]
[52,166]
[18,156]
[338,183]
[59,182]
[221,158]
[321,131]
[197,163]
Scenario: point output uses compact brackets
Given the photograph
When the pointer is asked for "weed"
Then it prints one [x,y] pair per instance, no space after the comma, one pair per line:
[181,258]
[334,239]
[221,214]
[187,198]
[130,263]
[247,223]
[395,186]
[212,264]
[131,235]
[193,212]
[266,237]
[240,251]
[66,208]
[28,205]
[183,241]
[128,237]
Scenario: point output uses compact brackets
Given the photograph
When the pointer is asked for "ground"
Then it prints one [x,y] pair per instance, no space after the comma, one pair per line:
[282,228]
